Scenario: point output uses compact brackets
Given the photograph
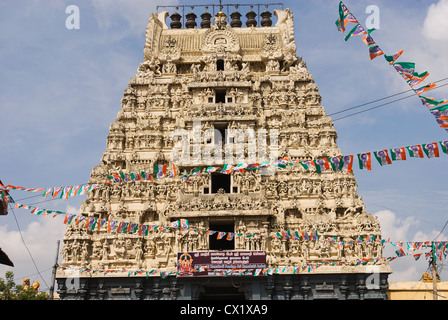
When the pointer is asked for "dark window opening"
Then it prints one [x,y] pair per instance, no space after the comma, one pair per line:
[206,190]
[220,96]
[223,243]
[210,100]
[220,181]
[220,65]
[220,134]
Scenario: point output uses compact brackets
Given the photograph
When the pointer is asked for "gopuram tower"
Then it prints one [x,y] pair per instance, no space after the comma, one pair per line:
[214,177]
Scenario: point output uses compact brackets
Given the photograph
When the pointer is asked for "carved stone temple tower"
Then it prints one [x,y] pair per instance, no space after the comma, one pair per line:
[199,201]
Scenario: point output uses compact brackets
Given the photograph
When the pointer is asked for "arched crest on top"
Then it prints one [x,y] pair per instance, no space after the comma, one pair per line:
[220,40]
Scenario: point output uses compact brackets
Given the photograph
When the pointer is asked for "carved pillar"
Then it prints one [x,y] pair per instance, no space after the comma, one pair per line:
[101,291]
[138,291]
[287,288]
[270,288]
[156,290]
[344,288]
[305,288]
[360,287]
[174,289]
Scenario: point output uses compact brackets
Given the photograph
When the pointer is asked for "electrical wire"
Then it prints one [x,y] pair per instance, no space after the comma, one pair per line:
[379,106]
[441,231]
[24,243]
[380,99]
[28,197]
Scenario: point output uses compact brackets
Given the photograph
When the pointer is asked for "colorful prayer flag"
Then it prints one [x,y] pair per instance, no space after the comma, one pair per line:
[56,191]
[356,31]
[346,20]
[160,171]
[347,163]
[240,167]
[391,59]
[196,172]
[265,164]
[122,227]
[375,51]
[417,78]
[124,177]
[230,236]
[398,154]
[252,166]
[321,165]
[47,192]
[227,169]
[368,40]
[307,164]
[220,235]
[146,176]
[415,151]
[430,102]
[383,157]
[406,69]
[143,230]
[173,171]
[68,218]
[431,150]
[175,224]
[211,169]
[444,146]
[184,224]
[341,163]
[342,12]
[365,161]
[423,89]
[336,163]
[111,225]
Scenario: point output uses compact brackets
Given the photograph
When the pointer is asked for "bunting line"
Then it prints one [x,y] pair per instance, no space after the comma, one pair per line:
[114,226]
[439,249]
[439,109]
[306,268]
[343,163]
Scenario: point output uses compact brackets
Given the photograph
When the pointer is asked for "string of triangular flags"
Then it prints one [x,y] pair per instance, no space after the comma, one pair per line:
[114,226]
[344,163]
[439,251]
[438,108]
[55,192]
[439,248]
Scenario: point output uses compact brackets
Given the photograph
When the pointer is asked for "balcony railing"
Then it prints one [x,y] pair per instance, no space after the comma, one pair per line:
[256,15]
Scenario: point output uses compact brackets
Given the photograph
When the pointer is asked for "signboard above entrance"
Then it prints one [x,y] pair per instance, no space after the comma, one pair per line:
[219,263]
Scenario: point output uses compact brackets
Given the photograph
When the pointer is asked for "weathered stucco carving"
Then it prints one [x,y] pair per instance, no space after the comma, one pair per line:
[264,85]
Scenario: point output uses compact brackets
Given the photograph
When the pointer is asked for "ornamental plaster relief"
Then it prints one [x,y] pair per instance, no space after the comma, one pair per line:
[269,88]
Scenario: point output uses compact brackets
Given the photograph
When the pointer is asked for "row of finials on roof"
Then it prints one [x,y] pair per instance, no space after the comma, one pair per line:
[235,21]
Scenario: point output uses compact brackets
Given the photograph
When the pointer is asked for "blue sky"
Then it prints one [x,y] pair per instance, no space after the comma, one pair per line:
[61,89]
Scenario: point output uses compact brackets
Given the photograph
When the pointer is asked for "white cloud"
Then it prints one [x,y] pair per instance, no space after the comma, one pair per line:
[436,23]
[395,228]
[404,268]
[40,237]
